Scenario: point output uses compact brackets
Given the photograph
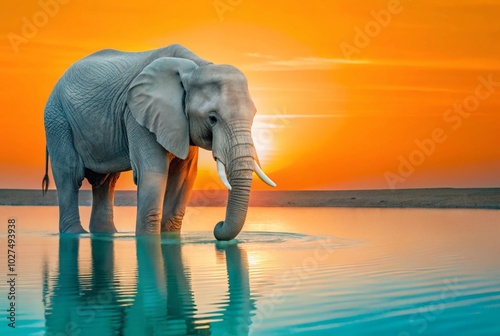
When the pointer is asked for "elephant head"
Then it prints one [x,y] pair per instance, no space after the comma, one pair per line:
[207,106]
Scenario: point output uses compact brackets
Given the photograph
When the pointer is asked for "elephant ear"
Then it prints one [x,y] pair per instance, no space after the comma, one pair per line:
[156,101]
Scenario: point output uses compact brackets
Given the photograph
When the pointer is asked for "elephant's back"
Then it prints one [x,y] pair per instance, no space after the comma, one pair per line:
[102,72]
[100,81]
[104,69]
[92,94]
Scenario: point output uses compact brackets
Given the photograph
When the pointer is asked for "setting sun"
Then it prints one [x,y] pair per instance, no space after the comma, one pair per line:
[344,91]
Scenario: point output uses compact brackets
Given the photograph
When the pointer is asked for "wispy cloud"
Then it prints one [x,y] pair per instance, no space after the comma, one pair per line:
[273,63]
[448,64]
[262,56]
[294,116]
[263,62]
[273,121]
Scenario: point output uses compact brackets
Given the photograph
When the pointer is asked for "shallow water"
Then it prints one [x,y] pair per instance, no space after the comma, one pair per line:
[307,271]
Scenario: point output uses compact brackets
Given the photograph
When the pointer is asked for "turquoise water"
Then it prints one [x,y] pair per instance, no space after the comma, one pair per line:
[307,271]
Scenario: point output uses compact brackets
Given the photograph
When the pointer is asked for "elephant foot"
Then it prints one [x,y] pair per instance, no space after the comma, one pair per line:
[73,229]
[171,226]
[148,227]
[102,228]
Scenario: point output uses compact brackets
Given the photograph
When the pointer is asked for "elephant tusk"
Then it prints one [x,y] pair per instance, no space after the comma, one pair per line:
[221,170]
[263,176]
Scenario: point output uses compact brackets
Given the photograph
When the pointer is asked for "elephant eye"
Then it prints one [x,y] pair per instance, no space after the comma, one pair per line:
[212,119]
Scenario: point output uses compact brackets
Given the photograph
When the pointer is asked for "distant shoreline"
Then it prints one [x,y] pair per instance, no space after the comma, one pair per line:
[479,198]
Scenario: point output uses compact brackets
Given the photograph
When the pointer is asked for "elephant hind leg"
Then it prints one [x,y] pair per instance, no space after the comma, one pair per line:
[103,191]
[67,169]
[67,194]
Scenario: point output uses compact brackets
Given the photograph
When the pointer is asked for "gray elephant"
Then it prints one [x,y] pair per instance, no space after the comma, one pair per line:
[149,112]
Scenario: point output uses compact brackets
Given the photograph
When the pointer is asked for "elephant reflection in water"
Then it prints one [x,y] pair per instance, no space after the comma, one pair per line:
[237,313]
[78,304]
[163,303]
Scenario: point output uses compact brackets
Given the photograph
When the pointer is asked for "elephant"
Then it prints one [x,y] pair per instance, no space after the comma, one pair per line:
[149,112]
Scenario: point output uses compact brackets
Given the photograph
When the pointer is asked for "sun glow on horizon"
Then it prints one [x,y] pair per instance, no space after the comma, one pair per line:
[324,120]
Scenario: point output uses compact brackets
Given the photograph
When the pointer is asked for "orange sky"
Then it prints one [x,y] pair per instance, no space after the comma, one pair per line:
[337,109]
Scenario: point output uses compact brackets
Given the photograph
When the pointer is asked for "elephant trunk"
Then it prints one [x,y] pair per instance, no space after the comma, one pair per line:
[240,171]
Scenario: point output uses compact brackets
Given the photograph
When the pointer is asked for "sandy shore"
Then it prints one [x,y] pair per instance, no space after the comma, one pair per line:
[488,198]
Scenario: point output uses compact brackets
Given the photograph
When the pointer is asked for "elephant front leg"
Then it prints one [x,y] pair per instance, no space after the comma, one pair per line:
[150,162]
[103,191]
[150,195]
[181,177]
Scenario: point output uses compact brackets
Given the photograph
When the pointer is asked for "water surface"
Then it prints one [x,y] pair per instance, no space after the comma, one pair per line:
[305,271]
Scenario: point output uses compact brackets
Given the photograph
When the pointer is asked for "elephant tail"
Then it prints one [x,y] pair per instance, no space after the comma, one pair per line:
[46,180]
